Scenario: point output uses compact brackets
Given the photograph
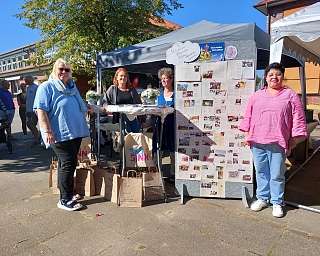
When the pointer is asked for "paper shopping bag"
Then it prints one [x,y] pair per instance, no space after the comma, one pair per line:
[130,193]
[85,150]
[84,182]
[53,177]
[138,150]
[152,186]
[106,184]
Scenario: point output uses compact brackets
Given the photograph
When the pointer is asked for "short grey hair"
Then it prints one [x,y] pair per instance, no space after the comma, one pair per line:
[165,71]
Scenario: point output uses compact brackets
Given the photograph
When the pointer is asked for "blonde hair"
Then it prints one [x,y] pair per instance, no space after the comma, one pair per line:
[55,68]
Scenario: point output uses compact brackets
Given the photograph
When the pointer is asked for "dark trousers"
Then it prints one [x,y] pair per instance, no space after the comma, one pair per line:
[66,152]
[22,114]
[32,121]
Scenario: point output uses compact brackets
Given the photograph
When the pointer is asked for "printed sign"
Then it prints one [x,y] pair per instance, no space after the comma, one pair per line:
[181,53]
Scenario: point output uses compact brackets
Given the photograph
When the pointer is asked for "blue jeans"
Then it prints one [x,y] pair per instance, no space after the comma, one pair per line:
[269,163]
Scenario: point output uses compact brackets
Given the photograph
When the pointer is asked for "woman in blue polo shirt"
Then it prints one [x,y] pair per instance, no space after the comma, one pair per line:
[61,113]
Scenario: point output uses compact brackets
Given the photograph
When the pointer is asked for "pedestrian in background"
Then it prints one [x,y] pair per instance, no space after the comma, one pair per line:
[274,122]
[21,99]
[31,117]
[61,112]
[7,99]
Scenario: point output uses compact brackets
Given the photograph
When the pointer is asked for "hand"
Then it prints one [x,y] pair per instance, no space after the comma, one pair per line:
[246,134]
[50,137]
[292,144]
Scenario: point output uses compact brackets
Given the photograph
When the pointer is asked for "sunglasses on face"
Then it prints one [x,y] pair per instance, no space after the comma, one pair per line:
[67,70]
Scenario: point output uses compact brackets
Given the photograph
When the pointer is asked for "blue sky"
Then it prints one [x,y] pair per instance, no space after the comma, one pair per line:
[14,34]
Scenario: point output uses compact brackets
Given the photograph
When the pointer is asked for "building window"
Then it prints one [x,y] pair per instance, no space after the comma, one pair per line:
[4,66]
[9,65]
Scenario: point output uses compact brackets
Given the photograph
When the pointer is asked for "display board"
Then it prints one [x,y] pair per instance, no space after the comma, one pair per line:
[212,159]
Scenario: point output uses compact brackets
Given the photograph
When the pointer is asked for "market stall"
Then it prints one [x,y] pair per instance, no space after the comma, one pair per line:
[244,50]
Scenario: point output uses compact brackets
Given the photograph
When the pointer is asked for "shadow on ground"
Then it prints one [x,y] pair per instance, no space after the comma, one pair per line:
[25,157]
[304,187]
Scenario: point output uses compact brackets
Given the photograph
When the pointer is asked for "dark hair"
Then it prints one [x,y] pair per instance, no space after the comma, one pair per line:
[276,66]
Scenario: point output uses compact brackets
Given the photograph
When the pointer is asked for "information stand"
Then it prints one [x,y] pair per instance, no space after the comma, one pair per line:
[212,158]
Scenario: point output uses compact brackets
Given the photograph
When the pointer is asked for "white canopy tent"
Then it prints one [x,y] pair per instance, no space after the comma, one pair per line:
[298,35]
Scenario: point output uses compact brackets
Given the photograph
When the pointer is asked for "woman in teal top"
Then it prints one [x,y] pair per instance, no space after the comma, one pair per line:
[61,112]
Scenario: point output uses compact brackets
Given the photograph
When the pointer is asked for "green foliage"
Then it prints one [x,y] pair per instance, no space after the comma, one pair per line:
[79,29]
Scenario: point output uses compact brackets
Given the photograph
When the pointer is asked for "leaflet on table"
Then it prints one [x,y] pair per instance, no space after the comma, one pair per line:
[187,72]
[241,69]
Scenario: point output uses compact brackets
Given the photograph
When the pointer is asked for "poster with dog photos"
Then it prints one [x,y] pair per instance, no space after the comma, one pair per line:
[210,102]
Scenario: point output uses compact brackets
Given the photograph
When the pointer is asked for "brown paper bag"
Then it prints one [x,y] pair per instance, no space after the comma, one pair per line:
[84,182]
[53,178]
[138,150]
[130,193]
[152,186]
[85,150]
[106,184]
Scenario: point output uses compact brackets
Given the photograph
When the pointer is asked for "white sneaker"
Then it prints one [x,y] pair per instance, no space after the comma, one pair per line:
[258,205]
[277,211]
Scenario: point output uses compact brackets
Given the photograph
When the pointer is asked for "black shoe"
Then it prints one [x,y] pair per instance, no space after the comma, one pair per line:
[71,205]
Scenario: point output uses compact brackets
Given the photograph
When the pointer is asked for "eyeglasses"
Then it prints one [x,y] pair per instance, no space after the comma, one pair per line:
[65,69]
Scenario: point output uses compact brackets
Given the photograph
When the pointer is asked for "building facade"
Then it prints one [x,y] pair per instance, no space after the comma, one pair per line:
[15,64]
[277,9]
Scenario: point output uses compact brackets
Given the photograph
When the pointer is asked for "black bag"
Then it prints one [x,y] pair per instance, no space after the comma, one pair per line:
[3,112]
[3,137]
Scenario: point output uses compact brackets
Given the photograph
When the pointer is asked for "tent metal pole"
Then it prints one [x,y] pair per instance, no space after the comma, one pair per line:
[98,78]
[300,206]
[303,164]
[302,75]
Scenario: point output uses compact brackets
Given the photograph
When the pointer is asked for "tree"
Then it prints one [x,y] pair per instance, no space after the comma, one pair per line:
[78,29]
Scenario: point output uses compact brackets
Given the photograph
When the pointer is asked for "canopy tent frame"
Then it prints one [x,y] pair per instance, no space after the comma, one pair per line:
[299,35]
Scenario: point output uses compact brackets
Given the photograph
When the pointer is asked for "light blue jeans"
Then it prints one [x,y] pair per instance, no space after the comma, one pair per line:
[269,163]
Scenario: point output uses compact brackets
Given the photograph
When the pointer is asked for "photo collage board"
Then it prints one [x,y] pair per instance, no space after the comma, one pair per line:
[210,101]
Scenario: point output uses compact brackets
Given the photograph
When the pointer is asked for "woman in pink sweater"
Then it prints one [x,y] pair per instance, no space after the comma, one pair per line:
[274,122]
